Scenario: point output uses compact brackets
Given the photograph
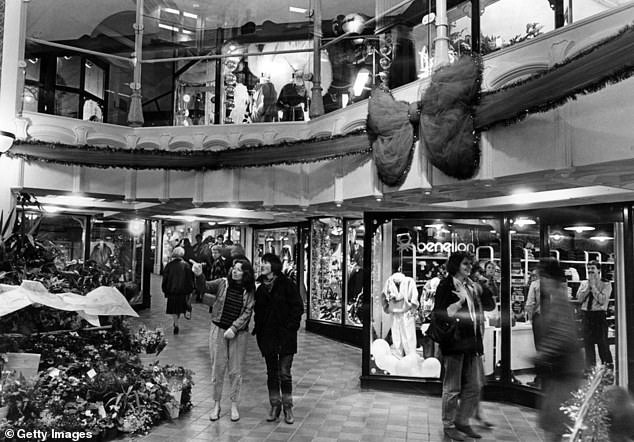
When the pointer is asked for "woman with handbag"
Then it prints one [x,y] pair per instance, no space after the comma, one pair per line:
[278,313]
[233,299]
[458,305]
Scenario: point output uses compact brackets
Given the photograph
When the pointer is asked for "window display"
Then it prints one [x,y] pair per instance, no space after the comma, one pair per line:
[118,246]
[326,271]
[354,272]
[408,262]
[282,242]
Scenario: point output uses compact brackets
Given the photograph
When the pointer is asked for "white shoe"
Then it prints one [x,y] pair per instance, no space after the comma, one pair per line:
[235,416]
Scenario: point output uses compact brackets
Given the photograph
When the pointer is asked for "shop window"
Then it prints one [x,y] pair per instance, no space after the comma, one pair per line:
[525,304]
[282,242]
[68,71]
[326,270]
[118,246]
[354,272]
[408,262]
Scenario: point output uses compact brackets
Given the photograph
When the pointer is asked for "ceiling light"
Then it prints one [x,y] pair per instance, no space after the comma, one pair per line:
[524,222]
[136,227]
[434,226]
[112,229]
[512,232]
[297,10]
[52,209]
[211,223]
[172,11]
[168,27]
[556,237]
[74,200]
[601,238]
[190,15]
[579,229]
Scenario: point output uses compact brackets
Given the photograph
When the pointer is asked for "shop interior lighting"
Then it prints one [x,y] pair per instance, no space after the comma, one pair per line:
[74,200]
[360,82]
[556,237]
[434,226]
[579,229]
[168,27]
[601,238]
[190,15]
[525,222]
[136,227]
[172,11]
[297,10]
[52,209]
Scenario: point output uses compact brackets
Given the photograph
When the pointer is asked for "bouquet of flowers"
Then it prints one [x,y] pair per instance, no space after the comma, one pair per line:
[150,342]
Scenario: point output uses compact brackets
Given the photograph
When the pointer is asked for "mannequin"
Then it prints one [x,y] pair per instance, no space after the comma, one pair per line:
[264,106]
[293,99]
[400,300]
[101,253]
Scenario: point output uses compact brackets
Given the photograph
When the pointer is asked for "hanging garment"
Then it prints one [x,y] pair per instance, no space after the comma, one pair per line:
[401,301]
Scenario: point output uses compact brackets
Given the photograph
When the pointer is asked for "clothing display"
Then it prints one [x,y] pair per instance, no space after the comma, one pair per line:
[400,300]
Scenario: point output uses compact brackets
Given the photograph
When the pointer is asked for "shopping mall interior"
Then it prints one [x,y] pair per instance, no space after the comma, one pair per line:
[356,141]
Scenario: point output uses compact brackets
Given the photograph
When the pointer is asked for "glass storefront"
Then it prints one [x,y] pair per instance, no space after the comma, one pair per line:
[264,50]
[408,257]
[326,270]
[280,241]
[354,272]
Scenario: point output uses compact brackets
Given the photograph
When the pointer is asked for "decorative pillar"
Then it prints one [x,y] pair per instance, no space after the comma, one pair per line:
[441,43]
[12,78]
[316,102]
[135,114]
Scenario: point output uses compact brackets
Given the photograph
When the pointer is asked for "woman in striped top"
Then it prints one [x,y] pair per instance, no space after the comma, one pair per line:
[233,299]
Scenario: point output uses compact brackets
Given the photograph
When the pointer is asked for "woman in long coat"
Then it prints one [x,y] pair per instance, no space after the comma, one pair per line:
[277,315]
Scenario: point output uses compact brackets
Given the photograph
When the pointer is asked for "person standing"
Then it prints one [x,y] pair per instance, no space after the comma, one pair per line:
[594,298]
[534,314]
[218,267]
[177,285]
[457,303]
[558,360]
[278,311]
[230,314]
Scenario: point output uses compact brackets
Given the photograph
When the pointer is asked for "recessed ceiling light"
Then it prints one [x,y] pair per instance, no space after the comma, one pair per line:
[298,10]
[579,229]
[524,222]
[601,238]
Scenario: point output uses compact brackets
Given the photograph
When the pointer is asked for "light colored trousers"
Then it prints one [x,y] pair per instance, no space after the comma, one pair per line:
[223,353]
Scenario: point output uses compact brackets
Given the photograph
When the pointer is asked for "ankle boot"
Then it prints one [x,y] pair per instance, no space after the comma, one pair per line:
[274,413]
[235,415]
[215,412]
[288,415]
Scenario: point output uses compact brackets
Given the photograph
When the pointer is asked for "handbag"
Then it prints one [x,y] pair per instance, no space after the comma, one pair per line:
[441,330]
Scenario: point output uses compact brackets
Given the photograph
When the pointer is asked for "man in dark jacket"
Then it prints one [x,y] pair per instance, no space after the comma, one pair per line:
[277,315]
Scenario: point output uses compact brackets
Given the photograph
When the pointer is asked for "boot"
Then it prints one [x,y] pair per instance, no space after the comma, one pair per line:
[288,414]
[274,413]
[215,411]
[235,415]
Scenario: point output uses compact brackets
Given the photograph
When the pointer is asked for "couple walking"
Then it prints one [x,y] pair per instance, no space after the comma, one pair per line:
[277,307]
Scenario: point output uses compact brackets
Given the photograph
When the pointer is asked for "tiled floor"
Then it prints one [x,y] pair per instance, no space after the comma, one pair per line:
[329,403]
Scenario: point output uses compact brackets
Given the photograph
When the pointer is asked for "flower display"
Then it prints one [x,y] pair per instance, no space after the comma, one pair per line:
[150,342]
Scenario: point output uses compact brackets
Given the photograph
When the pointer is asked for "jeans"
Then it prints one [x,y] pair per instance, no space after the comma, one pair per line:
[460,389]
[279,379]
[223,353]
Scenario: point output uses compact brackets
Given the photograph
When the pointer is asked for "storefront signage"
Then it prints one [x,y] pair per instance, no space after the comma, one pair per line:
[405,243]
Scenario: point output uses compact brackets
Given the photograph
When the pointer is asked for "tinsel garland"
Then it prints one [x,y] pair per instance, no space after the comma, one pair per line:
[588,408]
[551,88]
[294,152]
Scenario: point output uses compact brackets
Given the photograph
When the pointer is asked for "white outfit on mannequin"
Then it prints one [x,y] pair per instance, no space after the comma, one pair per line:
[400,300]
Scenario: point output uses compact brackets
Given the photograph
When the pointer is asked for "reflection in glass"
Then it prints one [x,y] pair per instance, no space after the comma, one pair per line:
[354,272]
[281,242]
[66,104]
[525,303]
[118,248]
[94,79]
[326,272]
[408,263]
[68,71]
[587,254]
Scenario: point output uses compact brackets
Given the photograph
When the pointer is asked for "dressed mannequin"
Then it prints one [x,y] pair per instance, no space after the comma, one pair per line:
[101,253]
[400,300]
[293,99]
[264,106]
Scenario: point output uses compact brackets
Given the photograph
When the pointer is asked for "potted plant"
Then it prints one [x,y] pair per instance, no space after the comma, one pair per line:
[149,344]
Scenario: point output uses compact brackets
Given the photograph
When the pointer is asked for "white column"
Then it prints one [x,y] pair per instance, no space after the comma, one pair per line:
[441,43]
[12,80]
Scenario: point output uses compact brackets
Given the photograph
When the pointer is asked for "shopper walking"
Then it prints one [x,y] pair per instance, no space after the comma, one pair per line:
[177,285]
[457,304]
[218,267]
[233,299]
[558,360]
[278,312]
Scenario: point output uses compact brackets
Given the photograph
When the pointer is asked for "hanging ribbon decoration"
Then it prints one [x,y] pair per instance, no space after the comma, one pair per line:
[453,111]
